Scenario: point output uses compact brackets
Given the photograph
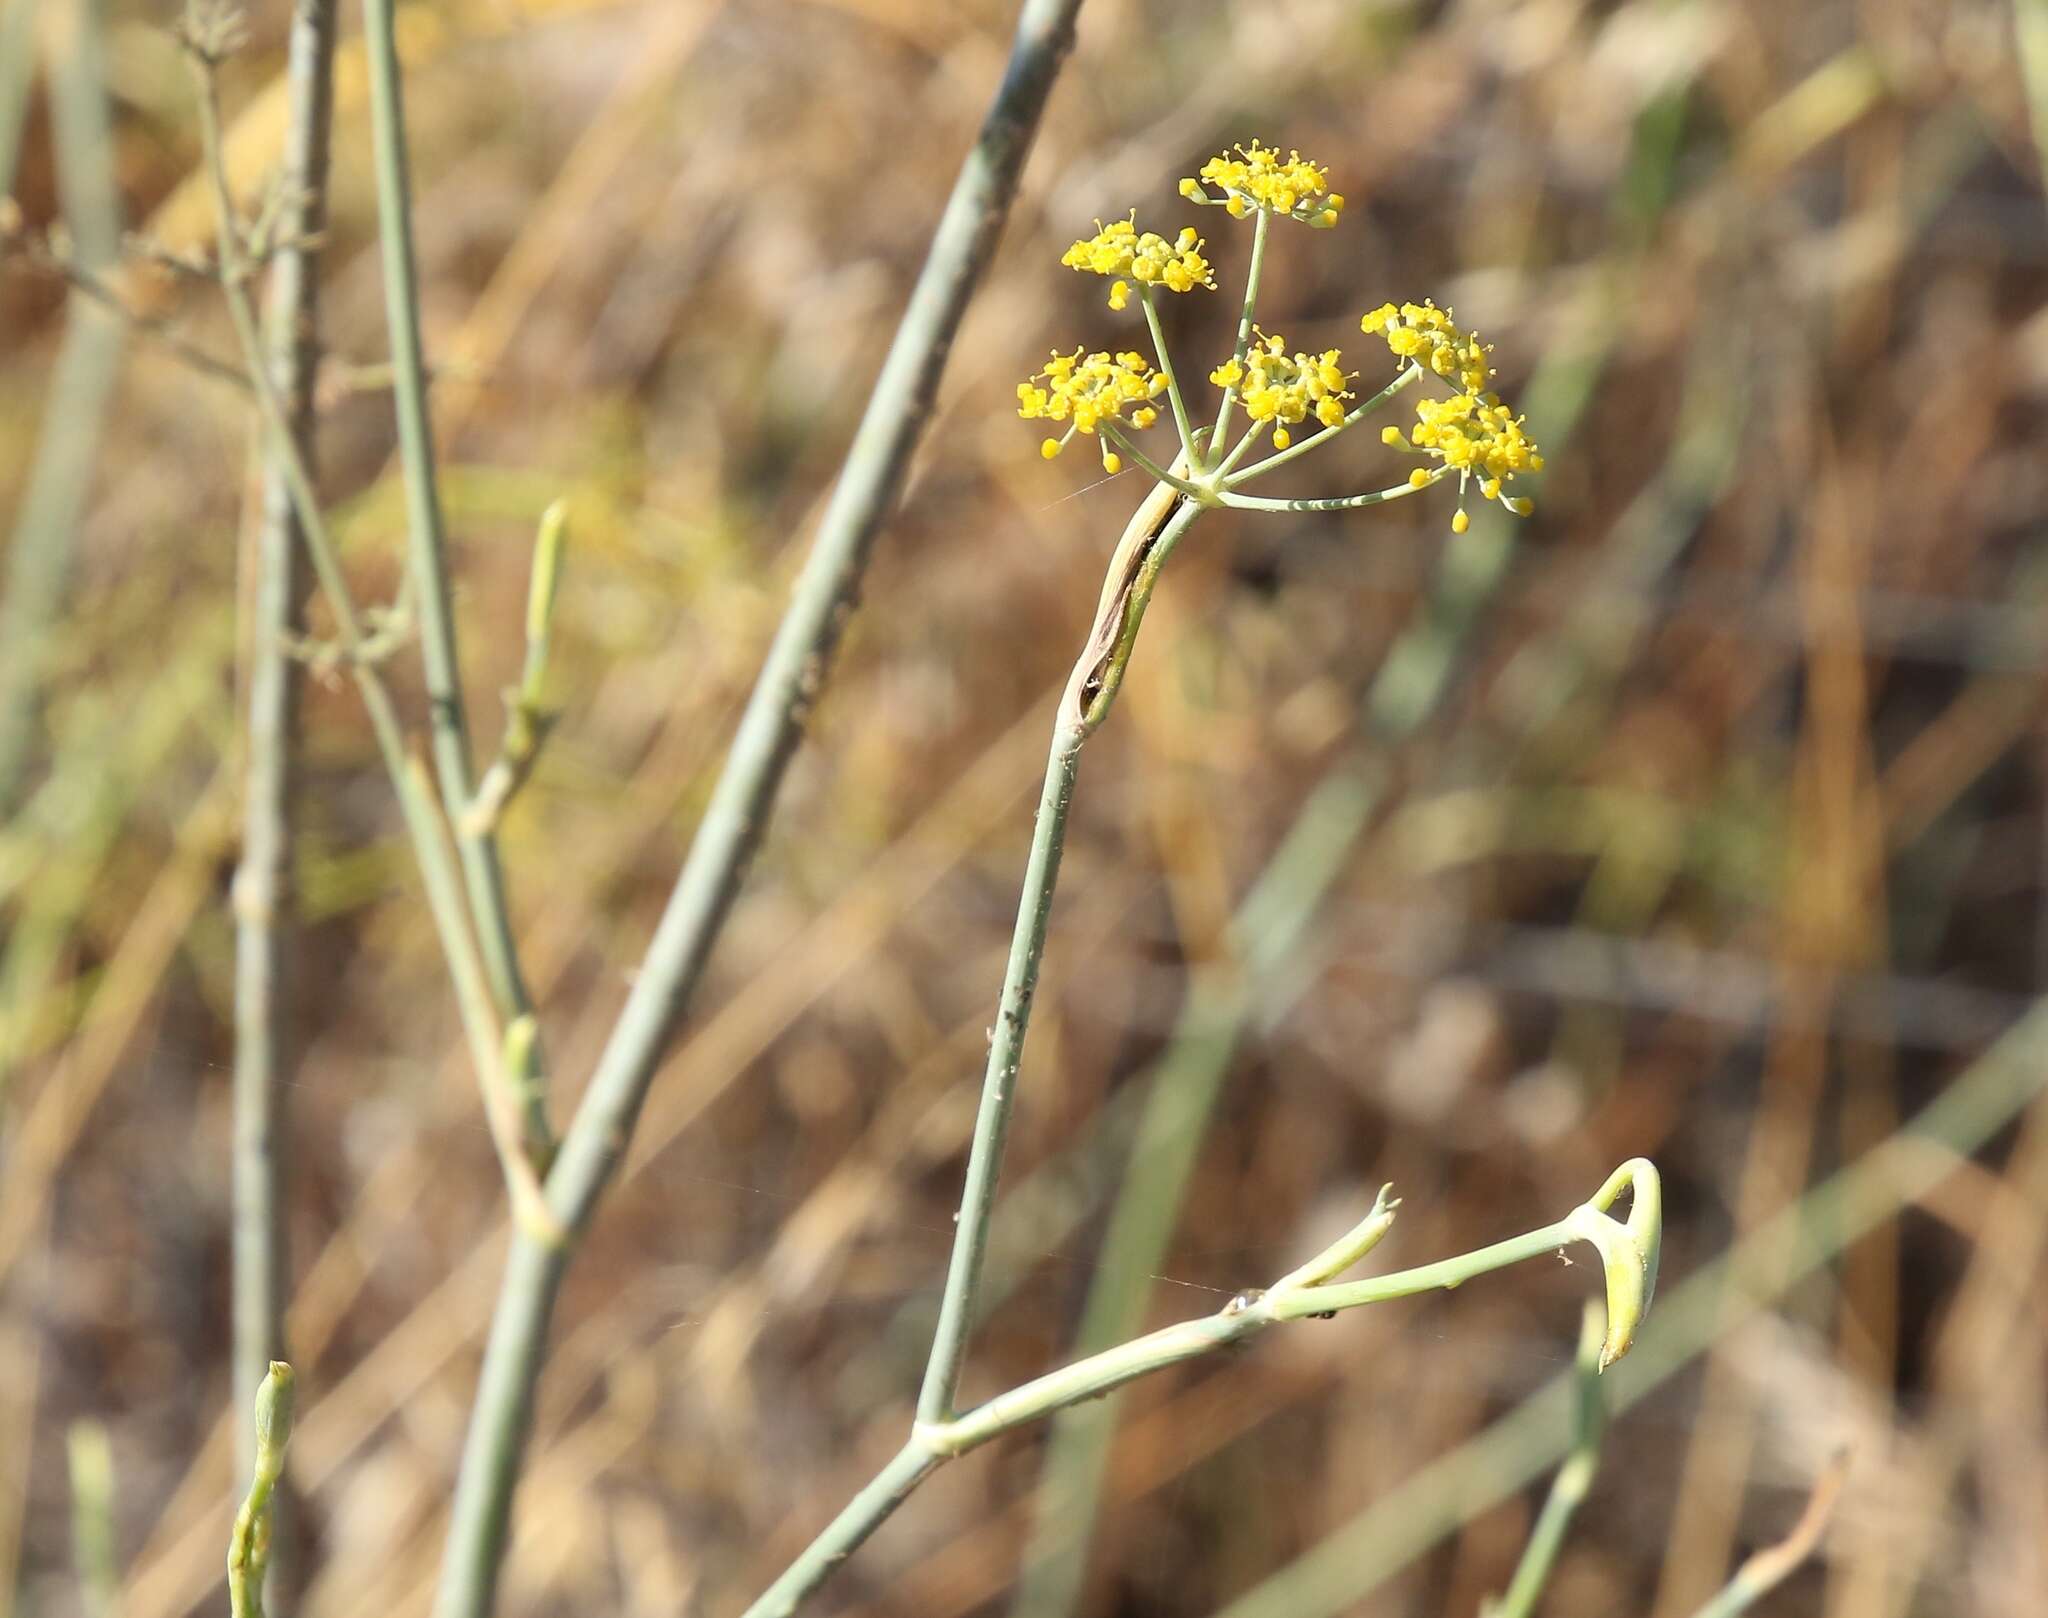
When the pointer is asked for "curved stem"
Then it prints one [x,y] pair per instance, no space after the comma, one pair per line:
[1173,395]
[1244,321]
[1349,502]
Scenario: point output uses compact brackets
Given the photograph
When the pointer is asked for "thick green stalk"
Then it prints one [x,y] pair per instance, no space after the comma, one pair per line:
[771,727]
[482,871]
[262,883]
[1354,1560]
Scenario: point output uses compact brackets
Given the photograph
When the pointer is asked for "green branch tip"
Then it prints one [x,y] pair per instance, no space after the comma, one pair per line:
[547,571]
[1348,1249]
[249,1543]
[276,1405]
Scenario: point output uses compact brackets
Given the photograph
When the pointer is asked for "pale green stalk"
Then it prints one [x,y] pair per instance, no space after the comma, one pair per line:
[1354,1560]
[82,384]
[1573,1481]
[1180,1095]
[1244,322]
[482,871]
[262,889]
[770,728]
[1126,445]
[1350,502]
[1077,721]
[1239,450]
[1150,304]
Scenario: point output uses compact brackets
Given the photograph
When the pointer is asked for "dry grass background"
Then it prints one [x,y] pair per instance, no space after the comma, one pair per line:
[1724,844]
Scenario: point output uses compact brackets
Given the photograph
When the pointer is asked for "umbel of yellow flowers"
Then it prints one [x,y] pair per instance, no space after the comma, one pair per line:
[1470,434]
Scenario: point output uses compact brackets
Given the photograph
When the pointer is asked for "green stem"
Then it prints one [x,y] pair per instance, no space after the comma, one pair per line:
[483,872]
[1297,1303]
[821,603]
[863,1514]
[1244,321]
[1151,468]
[1574,1478]
[1239,450]
[262,890]
[1294,451]
[1173,394]
[1259,974]
[1352,502]
[999,1080]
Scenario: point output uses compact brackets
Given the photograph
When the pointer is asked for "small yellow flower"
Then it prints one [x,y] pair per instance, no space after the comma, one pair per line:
[1086,391]
[1286,390]
[1474,435]
[1256,178]
[1428,336]
[1118,249]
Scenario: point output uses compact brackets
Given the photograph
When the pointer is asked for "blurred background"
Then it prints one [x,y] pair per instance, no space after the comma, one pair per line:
[1700,816]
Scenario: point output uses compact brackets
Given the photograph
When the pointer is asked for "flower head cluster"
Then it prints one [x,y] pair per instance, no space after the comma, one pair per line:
[1086,392]
[1286,390]
[1254,178]
[1118,249]
[1428,336]
[1474,435]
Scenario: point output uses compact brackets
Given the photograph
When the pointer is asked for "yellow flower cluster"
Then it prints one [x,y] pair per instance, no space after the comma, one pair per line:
[1087,392]
[1283,391]
[1118,249]
[1474,435]
[1428,336]
[1256,178]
